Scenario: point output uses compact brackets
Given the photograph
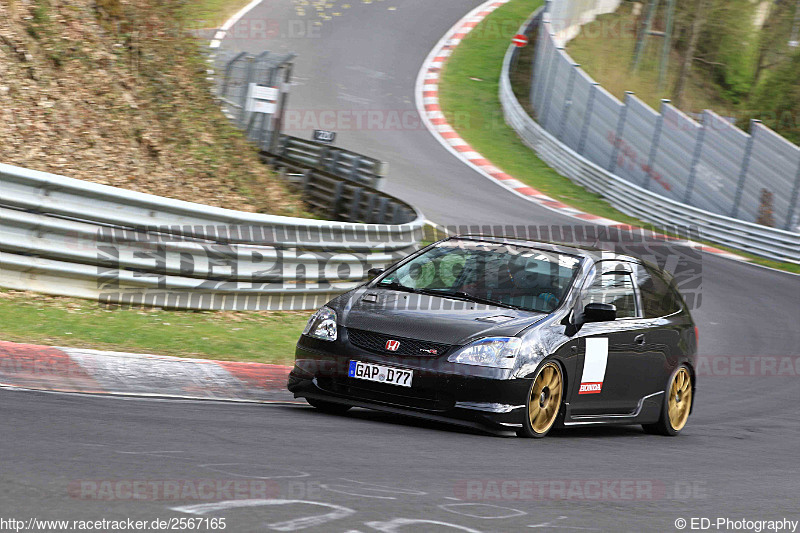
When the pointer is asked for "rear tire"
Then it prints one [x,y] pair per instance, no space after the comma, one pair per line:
[329,407]
[544,401]
[678,398]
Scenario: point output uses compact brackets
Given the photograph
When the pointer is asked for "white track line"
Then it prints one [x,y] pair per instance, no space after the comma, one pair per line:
[223,31]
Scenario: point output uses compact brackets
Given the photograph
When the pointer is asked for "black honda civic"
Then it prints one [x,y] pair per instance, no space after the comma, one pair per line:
[506,334]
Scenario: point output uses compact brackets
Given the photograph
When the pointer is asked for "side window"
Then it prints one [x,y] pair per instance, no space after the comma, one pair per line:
[613,288]
[658,298]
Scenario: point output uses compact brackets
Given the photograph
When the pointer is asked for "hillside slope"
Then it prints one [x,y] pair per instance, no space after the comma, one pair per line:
[114,92]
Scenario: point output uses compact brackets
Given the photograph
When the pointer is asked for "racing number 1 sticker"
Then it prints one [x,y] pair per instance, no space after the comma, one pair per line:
[594,366]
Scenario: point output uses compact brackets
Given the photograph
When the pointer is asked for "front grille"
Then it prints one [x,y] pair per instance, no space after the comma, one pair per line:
[376,342]
[432,400]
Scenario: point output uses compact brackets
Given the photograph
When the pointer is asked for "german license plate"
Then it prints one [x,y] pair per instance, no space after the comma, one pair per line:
[381,374]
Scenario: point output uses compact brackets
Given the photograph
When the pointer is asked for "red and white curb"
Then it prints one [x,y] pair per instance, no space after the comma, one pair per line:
[427,97]
[28,366]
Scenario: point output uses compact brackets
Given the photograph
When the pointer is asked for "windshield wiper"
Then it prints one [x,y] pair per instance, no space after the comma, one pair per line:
[461,295]
[396,286]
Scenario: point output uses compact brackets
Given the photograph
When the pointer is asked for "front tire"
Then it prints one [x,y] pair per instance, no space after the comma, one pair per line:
[329,407]
[677,404]
[544,401]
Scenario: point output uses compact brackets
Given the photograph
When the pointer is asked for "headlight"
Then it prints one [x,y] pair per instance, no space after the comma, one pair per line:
[322,325]
[497,352]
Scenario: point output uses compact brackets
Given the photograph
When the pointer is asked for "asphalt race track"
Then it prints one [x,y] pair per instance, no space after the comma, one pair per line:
[306,471]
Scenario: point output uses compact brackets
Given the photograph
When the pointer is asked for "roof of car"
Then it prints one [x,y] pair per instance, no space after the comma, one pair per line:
[590,252]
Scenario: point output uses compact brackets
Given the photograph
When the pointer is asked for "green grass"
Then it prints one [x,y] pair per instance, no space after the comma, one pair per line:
[469,98]
[212,13]
[263,337]
[468,94]
[788,267]
[169,79]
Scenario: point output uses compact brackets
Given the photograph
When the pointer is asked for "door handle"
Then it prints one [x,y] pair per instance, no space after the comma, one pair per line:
[639,339]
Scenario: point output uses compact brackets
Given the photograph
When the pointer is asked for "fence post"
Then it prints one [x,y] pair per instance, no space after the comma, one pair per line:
[283,145]
[538,57]
[651,158]
[307,176]
[737,199]
[698,151]
[256,121]
[356,166]
[283,95]
[333,164]
[381,171]
[391,213]
[369,215]
[382,203]
[337,200]
[266,130]
[623,114]
[568,100]
[543,73]
[793,201]
[399,214]
[246,93]
[588,118]
[228,73]
[355,204]
[545,120]
[323,154]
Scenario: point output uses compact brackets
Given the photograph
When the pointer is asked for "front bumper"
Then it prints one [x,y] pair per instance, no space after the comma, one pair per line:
[467,395]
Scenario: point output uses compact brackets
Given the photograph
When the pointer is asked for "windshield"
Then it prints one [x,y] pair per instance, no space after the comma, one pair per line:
[504,274]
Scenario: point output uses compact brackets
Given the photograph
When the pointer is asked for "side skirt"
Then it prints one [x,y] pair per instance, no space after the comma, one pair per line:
[647,410]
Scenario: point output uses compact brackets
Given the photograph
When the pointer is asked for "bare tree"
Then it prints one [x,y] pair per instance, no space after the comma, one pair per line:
[696,28]
[772,38]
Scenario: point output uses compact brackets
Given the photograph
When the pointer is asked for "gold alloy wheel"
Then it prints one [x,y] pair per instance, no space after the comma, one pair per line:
[680,399]
[545,398]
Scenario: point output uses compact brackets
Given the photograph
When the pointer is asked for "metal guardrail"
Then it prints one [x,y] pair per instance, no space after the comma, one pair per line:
[238,74]
[75,238]
[233,88]
[342,198]
[630,198]
[69,237]
[334,160]
[710,164]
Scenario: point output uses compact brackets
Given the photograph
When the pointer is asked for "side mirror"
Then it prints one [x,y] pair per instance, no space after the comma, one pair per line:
[597,312]
[375,272]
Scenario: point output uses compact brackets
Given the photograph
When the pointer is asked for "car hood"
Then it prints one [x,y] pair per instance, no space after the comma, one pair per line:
[430,318]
